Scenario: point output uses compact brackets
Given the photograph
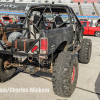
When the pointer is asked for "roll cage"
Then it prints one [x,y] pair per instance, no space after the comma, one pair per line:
[42,8]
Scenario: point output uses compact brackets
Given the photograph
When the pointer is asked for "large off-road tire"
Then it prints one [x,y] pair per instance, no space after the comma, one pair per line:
[5,74]
[65,73]
[84,54]
[14,36]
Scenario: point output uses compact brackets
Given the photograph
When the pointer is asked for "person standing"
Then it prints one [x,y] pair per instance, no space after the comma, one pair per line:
[19,20]
[91,22]
[14,20]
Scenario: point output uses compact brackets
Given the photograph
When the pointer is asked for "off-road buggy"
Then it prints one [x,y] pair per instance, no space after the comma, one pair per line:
[51,43]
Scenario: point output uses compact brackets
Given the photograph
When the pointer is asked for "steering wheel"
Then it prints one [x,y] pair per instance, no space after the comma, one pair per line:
[47,23]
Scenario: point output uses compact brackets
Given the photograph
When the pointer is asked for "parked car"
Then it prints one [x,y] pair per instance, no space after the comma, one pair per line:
[83,20]
[89,30]
[7,20]
[56,46]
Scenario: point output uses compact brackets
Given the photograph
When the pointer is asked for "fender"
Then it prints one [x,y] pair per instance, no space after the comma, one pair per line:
[57,36]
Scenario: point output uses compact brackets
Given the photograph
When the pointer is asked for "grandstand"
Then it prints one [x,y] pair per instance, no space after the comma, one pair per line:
[75,7]
[98,7]
[81,1]
[81,7]
[88,9]
[56,1]
[6,1]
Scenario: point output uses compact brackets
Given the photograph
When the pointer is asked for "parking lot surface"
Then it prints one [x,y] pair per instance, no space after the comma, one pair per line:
[88,85]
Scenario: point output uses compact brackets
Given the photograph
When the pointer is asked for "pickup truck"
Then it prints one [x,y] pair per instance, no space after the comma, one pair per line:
[89,30]
[7,20]
[49,44]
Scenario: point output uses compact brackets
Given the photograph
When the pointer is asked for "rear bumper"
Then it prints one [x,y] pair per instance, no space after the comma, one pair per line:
[23,54]
[18,53]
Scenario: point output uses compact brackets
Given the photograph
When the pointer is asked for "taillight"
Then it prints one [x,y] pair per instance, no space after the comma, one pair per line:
[34,48]
[43,45]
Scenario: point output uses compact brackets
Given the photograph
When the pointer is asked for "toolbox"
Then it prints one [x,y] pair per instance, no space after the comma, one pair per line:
[22,44]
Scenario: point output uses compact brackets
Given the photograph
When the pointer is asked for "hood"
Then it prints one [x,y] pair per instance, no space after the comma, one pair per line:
[6,18]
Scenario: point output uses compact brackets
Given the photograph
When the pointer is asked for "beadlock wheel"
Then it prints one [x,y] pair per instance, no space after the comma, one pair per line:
[65,74]
[73,75]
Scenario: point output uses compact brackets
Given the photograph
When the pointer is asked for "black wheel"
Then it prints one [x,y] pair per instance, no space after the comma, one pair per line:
[97,34]
[5,74]
[65,73]
[84,54]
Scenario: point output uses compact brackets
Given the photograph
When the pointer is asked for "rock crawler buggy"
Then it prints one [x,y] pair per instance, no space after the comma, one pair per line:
[49,43]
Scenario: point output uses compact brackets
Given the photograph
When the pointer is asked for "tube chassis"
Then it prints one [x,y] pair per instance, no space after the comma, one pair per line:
[58,37]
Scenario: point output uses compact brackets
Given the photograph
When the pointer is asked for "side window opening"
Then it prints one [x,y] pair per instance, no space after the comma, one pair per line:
[62,19]
[73,17]
[84,24]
